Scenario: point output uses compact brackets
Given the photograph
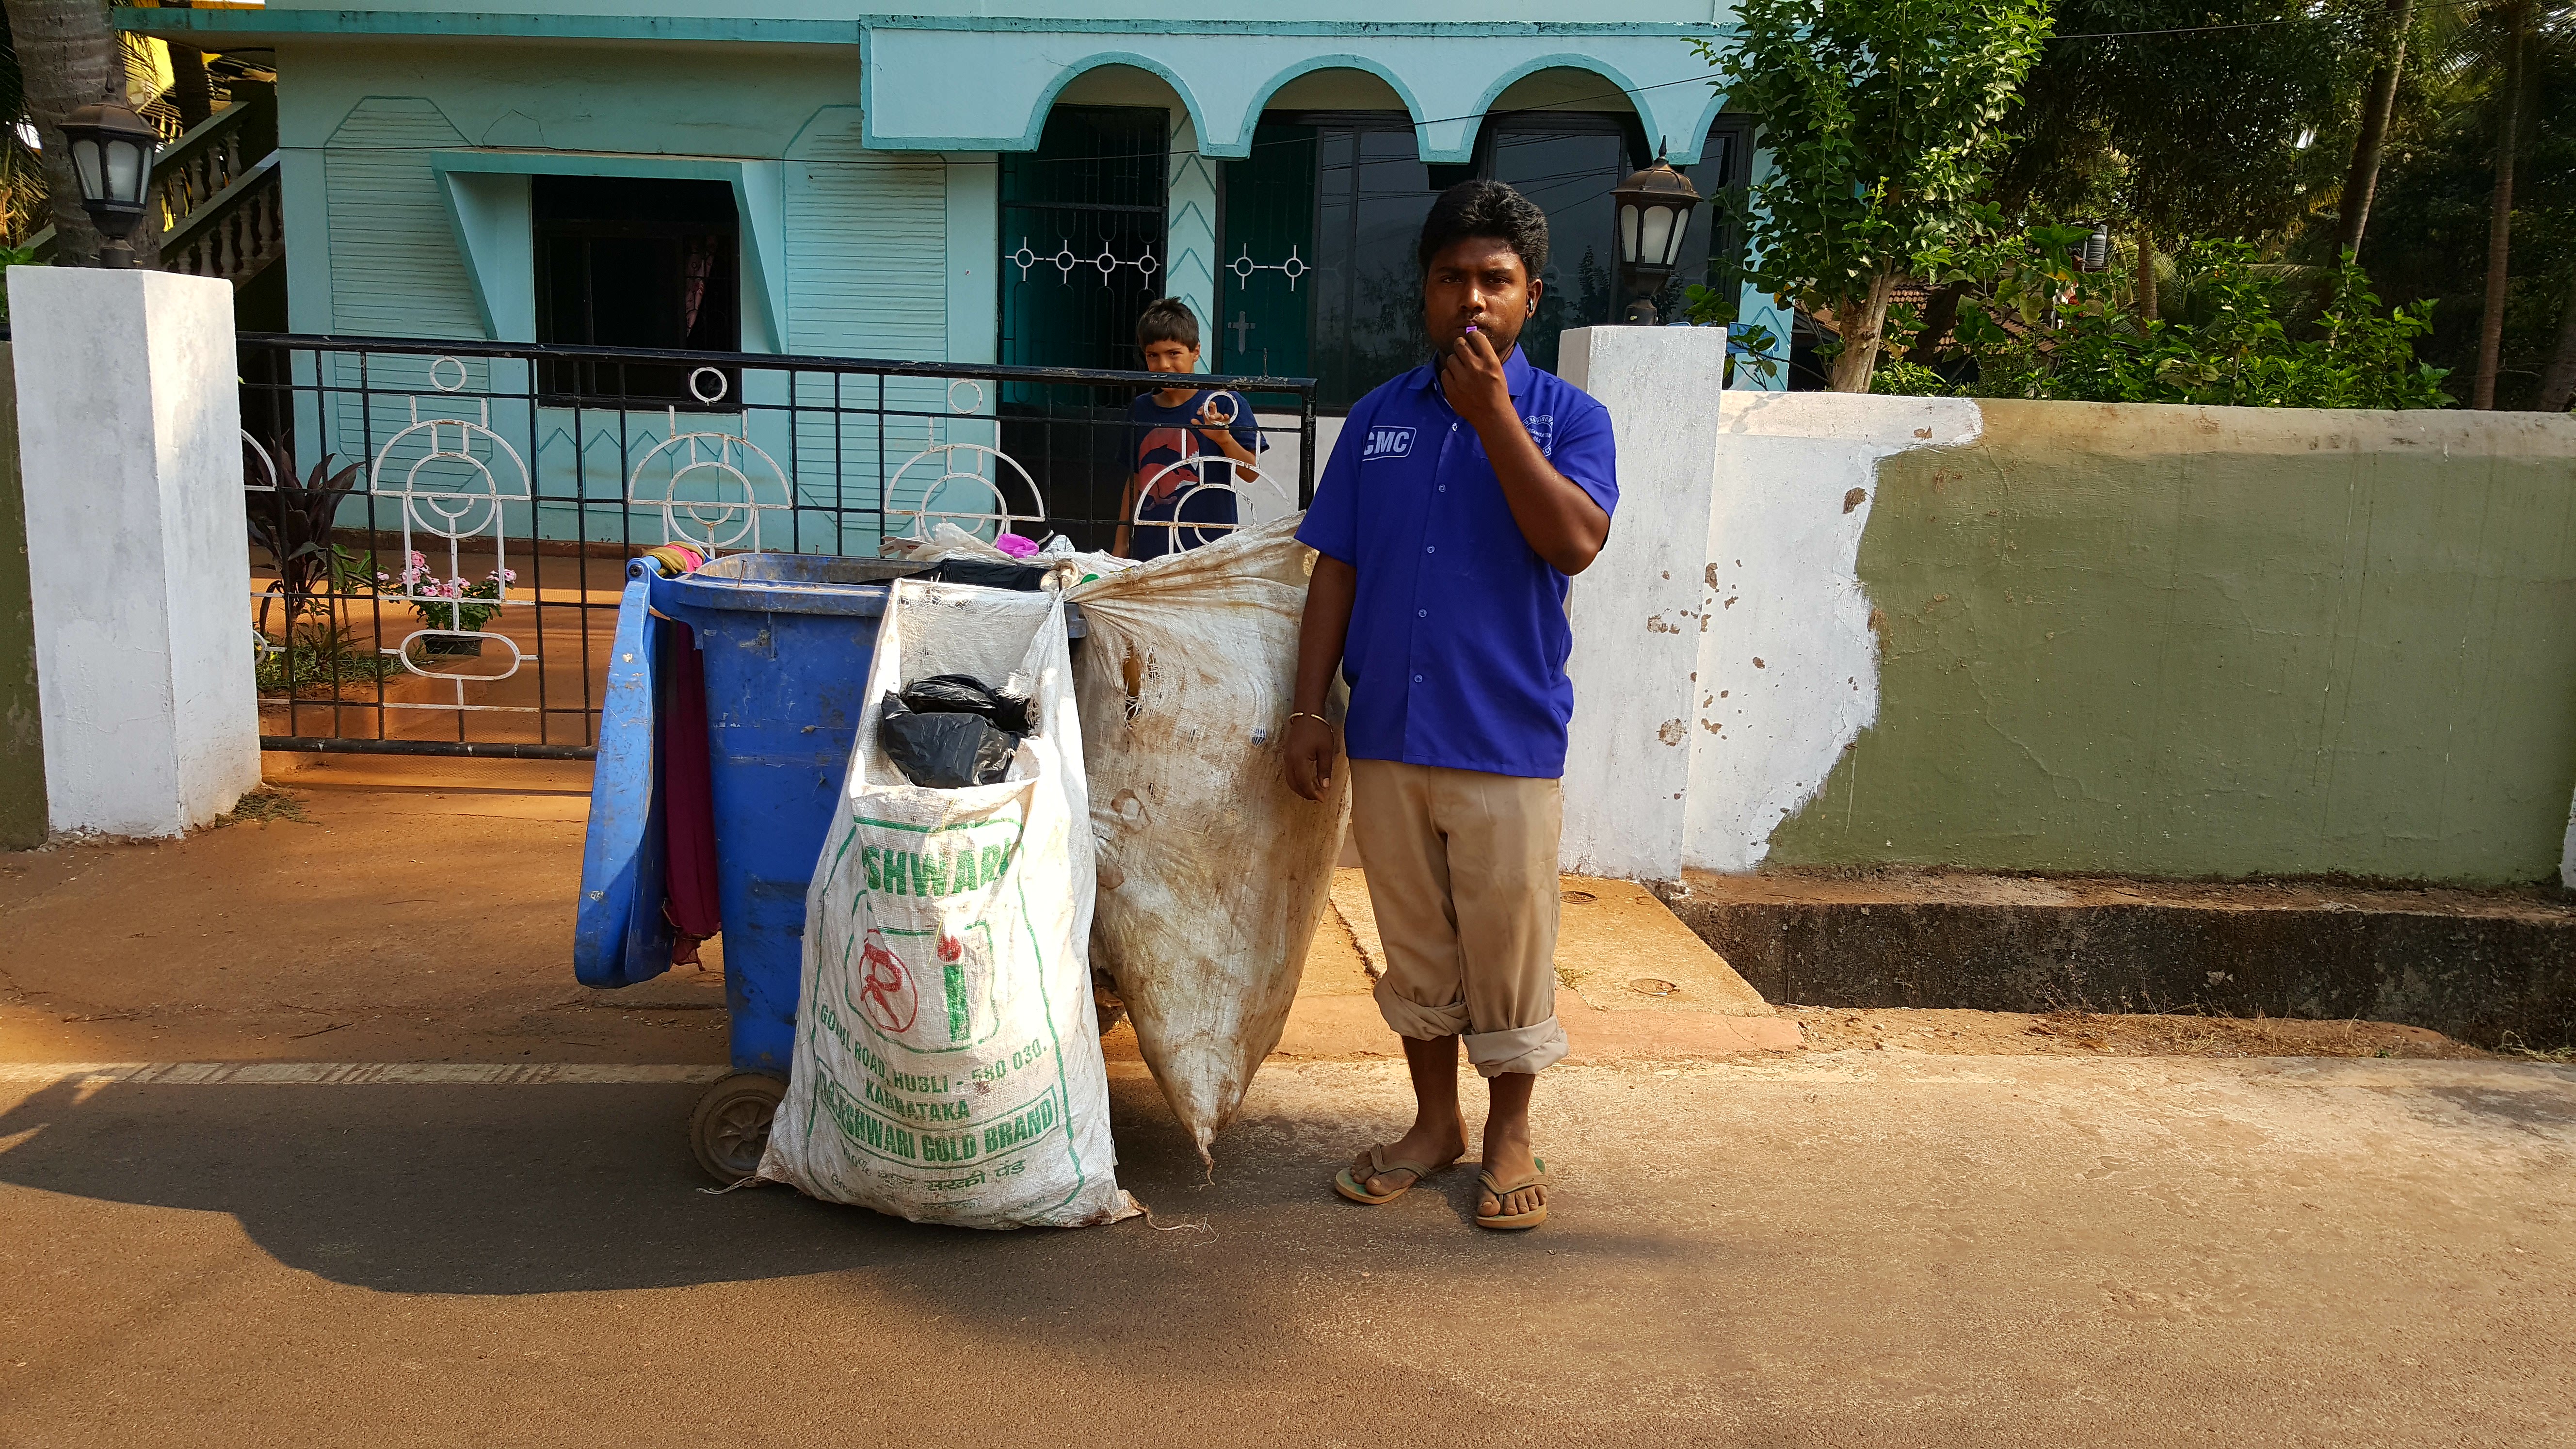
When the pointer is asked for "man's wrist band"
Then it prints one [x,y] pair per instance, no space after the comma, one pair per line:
[1298,714]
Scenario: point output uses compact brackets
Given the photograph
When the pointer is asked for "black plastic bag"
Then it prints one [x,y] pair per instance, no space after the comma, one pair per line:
[945,751]
[989,573]
[965,694]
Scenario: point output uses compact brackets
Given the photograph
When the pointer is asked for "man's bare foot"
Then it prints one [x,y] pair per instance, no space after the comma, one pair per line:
[1508,1158]
[1432,1146]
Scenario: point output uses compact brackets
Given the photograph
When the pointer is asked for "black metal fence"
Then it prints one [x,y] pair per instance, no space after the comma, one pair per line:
[439,530]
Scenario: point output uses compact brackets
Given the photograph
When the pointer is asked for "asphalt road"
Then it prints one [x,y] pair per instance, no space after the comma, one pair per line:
[1867,1249]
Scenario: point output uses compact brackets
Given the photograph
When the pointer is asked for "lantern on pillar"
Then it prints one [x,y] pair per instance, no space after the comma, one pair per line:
[1654,214]
[111,150]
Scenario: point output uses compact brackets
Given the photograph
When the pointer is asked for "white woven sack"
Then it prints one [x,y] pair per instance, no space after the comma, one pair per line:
[1212,871]
[947,1065]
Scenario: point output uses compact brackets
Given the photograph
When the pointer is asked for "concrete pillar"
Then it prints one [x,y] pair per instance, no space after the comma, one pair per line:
[1639,611]
[138,569]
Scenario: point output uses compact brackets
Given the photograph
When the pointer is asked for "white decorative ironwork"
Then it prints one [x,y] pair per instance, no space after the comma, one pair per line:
[981,478]
[1217,411]
[462,499]
[712,498]
[262,647]
[1065,261]
[1244,266]
[267,465]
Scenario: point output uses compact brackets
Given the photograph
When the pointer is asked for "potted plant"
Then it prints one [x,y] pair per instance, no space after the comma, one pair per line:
[450,605]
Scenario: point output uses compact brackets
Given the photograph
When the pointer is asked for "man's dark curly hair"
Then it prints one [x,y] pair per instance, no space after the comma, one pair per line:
[1485,208]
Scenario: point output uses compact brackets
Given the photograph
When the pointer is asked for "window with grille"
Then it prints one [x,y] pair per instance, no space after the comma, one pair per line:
[639,263]
[1082,253]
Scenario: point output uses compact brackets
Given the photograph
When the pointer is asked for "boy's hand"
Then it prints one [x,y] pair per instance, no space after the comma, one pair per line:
[1312,748]
[1210,426]
[1471,377]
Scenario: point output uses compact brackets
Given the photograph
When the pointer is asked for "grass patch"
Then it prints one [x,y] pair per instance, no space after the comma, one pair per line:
[2512,1046]
[266,802]
[324,661]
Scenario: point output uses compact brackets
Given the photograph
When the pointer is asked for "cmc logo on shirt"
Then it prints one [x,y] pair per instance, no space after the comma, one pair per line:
[1542,431]
[1386,443]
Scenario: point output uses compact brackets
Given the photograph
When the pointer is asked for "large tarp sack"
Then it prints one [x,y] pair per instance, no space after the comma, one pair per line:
[1212,871]
[947,1067]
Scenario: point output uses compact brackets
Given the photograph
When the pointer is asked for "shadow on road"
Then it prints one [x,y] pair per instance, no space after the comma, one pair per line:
[555,1188]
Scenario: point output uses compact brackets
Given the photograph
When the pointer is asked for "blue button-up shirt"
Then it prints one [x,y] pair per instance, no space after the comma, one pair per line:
[1456,655]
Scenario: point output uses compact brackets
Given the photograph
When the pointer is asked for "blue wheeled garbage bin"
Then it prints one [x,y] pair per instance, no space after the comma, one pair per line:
[785,641]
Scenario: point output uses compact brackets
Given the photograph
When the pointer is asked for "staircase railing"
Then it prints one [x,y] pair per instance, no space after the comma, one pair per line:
[234,234]
[196,170]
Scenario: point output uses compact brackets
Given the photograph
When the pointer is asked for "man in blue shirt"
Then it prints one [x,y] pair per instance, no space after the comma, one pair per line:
[1457,503]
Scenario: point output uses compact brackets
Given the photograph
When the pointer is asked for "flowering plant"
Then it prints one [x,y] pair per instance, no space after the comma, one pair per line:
[447,603]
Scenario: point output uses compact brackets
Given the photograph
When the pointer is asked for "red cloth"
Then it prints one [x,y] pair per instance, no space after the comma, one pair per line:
[688,801]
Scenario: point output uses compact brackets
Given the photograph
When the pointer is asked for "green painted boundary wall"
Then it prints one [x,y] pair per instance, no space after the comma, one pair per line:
[2217,643]
[22,738]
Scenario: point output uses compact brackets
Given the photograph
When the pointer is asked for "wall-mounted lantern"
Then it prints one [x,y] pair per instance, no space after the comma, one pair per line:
[111,150]
[2095,255]
[1654,214]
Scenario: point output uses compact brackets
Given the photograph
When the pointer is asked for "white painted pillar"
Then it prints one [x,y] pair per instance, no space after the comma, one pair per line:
[1638,612]
[139,571]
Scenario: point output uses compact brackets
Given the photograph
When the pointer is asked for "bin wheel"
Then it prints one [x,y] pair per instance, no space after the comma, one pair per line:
[730,1128]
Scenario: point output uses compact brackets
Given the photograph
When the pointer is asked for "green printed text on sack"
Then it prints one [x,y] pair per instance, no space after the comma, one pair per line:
[1022,1128]
[935,1110]
[871,1133]
[935,871]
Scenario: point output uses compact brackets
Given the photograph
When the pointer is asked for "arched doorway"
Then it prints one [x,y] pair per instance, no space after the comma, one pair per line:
[1316,272]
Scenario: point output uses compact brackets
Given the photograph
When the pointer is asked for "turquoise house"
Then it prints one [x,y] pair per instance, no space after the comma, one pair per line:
[955,184]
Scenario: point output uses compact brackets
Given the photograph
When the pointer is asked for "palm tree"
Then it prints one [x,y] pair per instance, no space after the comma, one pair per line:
[25,207]
[64,56]
[2378,107]
[2508,103]
[67,58]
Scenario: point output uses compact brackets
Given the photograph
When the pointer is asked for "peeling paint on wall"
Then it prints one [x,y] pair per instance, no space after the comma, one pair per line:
[1723,657]
[1790,675]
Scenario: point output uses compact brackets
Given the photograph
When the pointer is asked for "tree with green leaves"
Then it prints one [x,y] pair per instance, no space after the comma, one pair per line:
[1882,118]
[2435,220]
[2244,334]
[2189,118]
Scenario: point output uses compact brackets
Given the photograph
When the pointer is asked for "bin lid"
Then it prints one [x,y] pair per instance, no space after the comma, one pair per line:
[796,583]
[791,583]
[619,934]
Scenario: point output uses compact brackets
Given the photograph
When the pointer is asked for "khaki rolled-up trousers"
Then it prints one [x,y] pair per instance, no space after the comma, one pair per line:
[1462,873]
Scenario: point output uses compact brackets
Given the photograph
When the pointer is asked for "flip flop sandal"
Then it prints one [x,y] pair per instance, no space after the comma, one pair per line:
[1513,1221]
[1356,1189]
